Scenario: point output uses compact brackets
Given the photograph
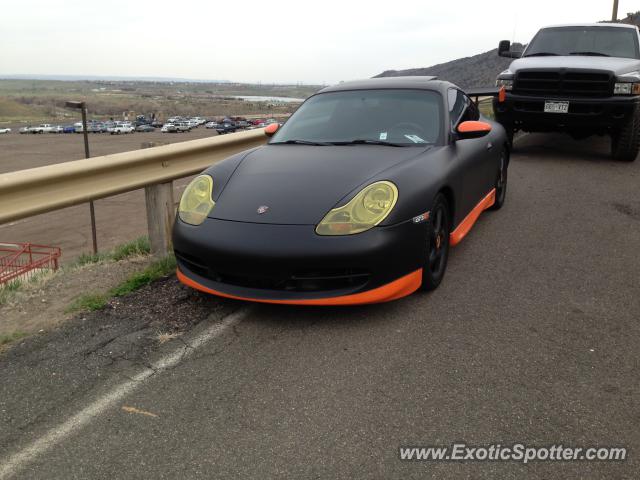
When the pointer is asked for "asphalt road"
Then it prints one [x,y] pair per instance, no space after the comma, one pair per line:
[532,338]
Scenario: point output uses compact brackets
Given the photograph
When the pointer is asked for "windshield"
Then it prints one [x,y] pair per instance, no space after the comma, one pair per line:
[401,117]
[596,41]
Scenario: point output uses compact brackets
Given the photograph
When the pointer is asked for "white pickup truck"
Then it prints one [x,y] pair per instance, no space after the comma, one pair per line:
[42,128]
[119,128]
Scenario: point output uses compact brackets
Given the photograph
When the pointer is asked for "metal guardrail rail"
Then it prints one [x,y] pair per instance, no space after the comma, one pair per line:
[39,190]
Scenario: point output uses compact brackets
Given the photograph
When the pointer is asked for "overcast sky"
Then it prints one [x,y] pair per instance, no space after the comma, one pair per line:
[267,40]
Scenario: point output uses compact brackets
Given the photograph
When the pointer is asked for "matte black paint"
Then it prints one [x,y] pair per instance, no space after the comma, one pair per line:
[300,184]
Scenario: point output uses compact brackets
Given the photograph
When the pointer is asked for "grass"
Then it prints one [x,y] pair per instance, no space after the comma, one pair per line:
[139,246]
[96,301]
[8,289]
[11,337]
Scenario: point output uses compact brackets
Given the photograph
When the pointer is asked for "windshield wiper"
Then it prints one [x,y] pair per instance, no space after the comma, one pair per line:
[542,54]
[302,142]
[590,54]
[374,142]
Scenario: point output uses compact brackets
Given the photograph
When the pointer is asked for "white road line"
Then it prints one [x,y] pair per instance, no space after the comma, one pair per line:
[11,465]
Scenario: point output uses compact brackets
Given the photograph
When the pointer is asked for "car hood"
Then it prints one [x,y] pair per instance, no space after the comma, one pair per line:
[615,65]
[298,183]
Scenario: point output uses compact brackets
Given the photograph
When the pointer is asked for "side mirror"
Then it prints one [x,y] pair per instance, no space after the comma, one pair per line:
[271,129]
[504,50]
[504,47]
[473,129]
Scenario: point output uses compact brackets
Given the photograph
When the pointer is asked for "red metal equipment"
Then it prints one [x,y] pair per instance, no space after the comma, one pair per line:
[22,260]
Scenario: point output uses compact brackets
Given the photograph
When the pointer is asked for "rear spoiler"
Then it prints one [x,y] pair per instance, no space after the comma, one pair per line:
[476,93]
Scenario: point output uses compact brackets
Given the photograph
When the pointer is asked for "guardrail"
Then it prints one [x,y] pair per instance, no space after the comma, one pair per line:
[39,190]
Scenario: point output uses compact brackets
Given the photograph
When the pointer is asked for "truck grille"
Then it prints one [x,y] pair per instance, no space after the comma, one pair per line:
[563,83]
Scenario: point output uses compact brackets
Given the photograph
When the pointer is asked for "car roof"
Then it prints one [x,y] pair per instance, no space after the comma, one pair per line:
[603,24]
[413,82]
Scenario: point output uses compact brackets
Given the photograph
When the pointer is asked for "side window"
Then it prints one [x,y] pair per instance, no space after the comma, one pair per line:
[458,103]
[461,108]
[472,112]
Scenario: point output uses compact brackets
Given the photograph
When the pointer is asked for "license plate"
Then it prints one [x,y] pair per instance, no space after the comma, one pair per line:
[556,107]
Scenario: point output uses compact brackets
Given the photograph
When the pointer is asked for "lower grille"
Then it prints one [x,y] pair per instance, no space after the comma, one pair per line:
[302,280]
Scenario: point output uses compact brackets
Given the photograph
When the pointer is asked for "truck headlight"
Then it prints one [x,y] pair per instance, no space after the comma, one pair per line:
[366,210]
[196,201]
[507,83]
[626,89]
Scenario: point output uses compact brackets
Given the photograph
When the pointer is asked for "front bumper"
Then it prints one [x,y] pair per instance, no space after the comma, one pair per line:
[292,264]
[595,115]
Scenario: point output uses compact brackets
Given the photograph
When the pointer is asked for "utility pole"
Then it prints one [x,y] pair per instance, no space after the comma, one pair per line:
[83,107]
[614,16]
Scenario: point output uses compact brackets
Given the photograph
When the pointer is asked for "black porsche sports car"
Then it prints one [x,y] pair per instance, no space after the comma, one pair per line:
[356,198]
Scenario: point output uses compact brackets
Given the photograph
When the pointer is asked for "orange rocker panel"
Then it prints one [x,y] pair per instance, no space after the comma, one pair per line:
[399,288]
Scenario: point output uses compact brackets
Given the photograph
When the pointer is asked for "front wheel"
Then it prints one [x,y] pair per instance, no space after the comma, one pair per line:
[501,181]
[437,248]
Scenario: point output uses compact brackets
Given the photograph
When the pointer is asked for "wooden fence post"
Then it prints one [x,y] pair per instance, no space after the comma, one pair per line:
[161,213]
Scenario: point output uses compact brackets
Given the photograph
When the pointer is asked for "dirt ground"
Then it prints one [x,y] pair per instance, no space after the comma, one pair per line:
[42,304]
[119,219]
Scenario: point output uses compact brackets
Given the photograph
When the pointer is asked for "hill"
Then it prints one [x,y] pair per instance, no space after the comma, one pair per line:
[477,71]
[470,72]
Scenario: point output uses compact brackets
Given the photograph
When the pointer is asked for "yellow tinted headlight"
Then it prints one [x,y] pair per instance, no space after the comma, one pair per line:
[366,210]
[196,201]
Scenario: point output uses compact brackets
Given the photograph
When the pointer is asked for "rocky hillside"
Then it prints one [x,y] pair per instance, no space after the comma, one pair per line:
[477,71]
[470,72]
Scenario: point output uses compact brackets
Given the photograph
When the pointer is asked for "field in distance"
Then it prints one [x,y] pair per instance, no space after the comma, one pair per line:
[43,101]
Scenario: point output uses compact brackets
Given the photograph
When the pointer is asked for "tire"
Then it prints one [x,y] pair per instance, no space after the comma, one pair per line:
[501,180]
[437,251]
[625,142]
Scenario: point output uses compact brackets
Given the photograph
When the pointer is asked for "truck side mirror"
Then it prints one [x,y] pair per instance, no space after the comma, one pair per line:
[504,47]
[504,50]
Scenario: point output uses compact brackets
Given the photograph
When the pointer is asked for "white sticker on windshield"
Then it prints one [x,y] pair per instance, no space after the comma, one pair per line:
[415,138]
[383,136]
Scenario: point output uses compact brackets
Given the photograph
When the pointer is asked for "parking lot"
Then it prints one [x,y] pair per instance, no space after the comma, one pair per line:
[532,338]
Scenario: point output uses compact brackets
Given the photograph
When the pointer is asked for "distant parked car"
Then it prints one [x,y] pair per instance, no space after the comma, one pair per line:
[26,129]
[169,128]
[58,129]
[226,128]
[145,128]
[119,128]
[182,127]
[68,129]
[42,128]
[5,130]
[95,128]
[156,124]
[211,125]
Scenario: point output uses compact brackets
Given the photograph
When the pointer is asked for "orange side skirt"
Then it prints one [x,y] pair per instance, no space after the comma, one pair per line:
[391,291]
[465,226]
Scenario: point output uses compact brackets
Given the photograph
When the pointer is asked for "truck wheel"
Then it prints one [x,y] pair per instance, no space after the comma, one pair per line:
[509,130]
[625,142]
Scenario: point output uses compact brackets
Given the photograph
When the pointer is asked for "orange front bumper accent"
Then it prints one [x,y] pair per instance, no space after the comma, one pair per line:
[391,291]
